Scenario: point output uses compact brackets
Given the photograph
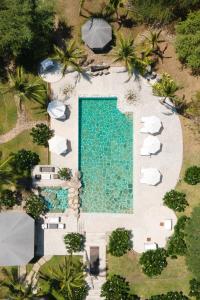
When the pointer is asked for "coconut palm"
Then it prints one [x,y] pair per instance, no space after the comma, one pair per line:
[153,39]
[125,52]
[115,4]
[26,88]
[17,289]
[66,281]
[69,56]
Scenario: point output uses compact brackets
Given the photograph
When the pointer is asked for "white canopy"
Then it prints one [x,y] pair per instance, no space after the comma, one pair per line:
[56,109]
[47,64]
[151,145]
[57,144]
[150,176]
[152,124]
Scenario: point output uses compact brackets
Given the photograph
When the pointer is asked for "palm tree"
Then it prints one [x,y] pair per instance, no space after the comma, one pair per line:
[69,56]
[26,88]
[17,289]
[66,281]
[114,4]
[81,4]
[125,52]
[153,39]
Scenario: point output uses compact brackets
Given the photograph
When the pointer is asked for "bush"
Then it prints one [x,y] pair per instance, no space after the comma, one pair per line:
[24,160]
[187,41]
[170,296]
[192,175]
[9,198]
[192,239]
[65,174]
[153,261]
[195,289]
[74,242]
[116,287]
[175,200]
[35,206]
[166,87]
[120,242]
[41,133]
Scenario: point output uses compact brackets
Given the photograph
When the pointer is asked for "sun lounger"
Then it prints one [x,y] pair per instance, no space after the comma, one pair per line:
[150,246]
[47,169]
[45,176]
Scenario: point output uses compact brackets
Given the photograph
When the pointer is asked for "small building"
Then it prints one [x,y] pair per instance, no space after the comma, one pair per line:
[17,238]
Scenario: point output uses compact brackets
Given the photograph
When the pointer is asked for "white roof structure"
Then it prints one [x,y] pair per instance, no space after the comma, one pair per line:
[56,110]
[152,124]
[47,64]
[16,238]
[96,33]
[151,145]
[150,246]
[58,144]
[150,176]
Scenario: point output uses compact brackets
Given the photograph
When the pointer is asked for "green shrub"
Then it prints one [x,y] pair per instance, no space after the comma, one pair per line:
[195,289]
[35,206]
[74,242]
[120,242]
[116,287]
[192,175]
[170,296]
[24,160]
[65,174]
[175,200]
[153,261]
[187,41]
[166,87]
[9,198]
[41,133]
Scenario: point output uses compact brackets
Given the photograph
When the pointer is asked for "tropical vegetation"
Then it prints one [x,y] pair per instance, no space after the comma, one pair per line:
[116,287]
[166,87]
[175,200]
[195,289]
[9,198]
[74,242]
[41,133]
[35,206]
[170,296]
[24,160]
[192,175]
[153,262]
[65,173]
[120,241]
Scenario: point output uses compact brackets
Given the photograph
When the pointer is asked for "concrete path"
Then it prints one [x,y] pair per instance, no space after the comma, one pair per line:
[21,125]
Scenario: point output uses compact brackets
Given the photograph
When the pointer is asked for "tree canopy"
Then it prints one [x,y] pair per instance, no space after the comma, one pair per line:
[170,296]
[120,242]
[116,287]
[187,41]
[192,238]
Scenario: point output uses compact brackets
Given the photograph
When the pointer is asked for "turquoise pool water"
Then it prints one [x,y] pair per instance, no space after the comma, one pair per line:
[56,199]
[105,156]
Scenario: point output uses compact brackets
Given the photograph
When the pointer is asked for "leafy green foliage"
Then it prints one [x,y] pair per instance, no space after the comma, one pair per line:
[26,28]
[166,87]
[192,175]
[35,206]
[195,289]
[116,287]
[65,281]
[192,239]
[153,261]
[24,160]
[74,242]
[187,41]
[69,56]
[9,198]
[176,244]
[41,133]
[65,173]
[170,296]
[175,200]
[120,242]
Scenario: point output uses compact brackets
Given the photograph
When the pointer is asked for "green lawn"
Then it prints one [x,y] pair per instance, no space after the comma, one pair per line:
[174,278]
[8,113]
[55,261]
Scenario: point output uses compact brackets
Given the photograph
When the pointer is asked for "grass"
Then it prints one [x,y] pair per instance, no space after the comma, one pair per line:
[8,113]
[34,112]
[55,261]
[174,278]
[23,140]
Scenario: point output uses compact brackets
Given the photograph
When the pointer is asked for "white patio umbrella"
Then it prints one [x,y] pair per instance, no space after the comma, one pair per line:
[56,109]
[57,144]
[151,145]
[152,124]
[150,176]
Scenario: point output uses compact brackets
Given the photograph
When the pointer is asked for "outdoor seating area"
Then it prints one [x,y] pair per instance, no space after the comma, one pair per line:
[45,175]
[53,223]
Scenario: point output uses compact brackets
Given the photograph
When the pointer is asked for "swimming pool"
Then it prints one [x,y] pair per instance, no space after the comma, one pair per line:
[105,156]
[55,198]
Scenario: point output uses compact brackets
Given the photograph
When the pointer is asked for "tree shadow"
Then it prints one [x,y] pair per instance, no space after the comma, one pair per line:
[62,32]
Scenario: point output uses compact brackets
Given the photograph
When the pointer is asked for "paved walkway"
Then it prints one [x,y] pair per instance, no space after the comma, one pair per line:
[21,125]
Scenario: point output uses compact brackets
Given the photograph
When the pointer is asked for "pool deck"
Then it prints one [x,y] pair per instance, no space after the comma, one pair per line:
[148,209]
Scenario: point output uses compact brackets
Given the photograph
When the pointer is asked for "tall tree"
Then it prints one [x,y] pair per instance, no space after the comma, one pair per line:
[69,56]
[66,281]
